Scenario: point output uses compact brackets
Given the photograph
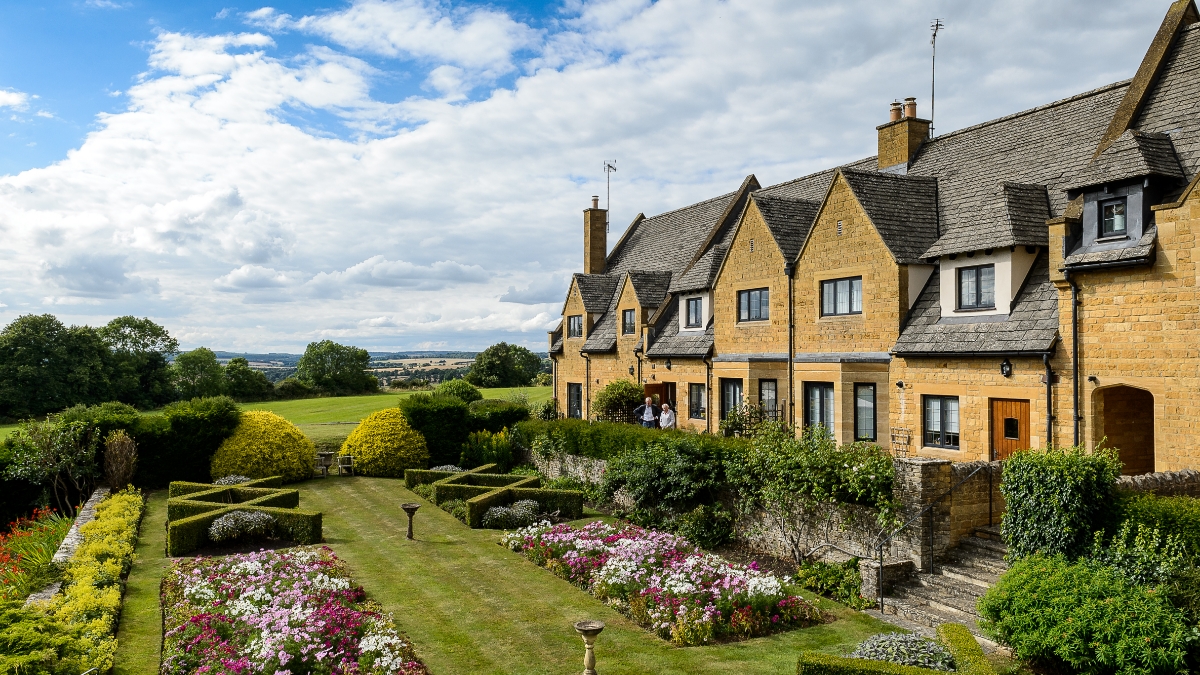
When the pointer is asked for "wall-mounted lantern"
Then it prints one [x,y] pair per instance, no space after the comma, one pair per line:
[1006,368]
[668,364]
[630,370]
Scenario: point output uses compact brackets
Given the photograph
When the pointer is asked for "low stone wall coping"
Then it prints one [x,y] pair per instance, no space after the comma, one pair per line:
[66,550]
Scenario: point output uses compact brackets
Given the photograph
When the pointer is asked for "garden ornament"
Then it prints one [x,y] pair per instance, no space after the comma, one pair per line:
[589,630]
[411,509]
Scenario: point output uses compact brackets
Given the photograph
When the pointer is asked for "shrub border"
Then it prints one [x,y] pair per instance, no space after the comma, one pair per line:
[968,658]
[192,507]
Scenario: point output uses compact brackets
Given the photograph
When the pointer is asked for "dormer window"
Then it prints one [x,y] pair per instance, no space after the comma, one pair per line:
[575,326]
[628,322]
[977,287]
[1112,218]
[695,312]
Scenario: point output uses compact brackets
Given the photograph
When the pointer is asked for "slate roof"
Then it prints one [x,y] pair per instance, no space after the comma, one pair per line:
[1133,155]
[789,221]
[1170,107]
[1142,251]
[668,342]
[596,290]
[902,208]
[1031,325]
[556,339]
[650,287]
[667,242]
[1015,216]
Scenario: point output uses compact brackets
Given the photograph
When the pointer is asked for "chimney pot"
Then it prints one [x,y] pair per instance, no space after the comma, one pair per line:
[895,113]
[910,107]
[595,201]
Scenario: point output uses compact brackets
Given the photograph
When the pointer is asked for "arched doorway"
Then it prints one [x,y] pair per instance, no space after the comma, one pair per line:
[1125,417]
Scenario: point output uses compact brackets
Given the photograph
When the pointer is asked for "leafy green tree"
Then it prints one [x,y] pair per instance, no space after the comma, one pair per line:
[140,373]
[197,374]
[337,369]
[504,365]
[244,383]
[618,398]
[59,455]
[46,366]
[460,388]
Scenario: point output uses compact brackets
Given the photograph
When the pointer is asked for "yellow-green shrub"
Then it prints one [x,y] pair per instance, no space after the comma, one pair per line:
[264,444]
[385,445]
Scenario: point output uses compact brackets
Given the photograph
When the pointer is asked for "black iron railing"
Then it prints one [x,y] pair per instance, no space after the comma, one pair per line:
[885,537]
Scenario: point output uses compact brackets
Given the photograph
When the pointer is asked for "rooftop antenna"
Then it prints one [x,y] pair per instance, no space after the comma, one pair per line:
[936,25]
[609,167]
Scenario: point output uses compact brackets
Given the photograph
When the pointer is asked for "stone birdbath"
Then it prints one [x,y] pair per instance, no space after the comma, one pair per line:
[589,630]
[411,509]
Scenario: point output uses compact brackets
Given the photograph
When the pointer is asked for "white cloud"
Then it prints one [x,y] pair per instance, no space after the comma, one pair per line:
[16,100]
[251,197]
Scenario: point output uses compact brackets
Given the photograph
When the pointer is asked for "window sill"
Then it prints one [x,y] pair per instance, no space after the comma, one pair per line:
[839,317]
[976,309]
[1111,238]
[754,322]
[942,448]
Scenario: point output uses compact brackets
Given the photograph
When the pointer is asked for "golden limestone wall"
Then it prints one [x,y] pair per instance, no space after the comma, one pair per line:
[570,366]
[976,382]
[1139,329]
[683,372]
[745,269]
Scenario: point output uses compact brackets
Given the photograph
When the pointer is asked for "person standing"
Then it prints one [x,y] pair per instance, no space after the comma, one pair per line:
[647,413]
[667,419]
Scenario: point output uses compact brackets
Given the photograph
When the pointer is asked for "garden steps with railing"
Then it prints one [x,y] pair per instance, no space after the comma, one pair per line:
[951,593]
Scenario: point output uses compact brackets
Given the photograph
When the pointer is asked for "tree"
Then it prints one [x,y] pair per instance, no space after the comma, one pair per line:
[197,374]
[244,383]
[60,454]
[140,374]
[337,369]
[46,366]
[504,365]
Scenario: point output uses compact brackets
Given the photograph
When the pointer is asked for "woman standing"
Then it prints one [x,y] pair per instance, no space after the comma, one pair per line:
[666,419]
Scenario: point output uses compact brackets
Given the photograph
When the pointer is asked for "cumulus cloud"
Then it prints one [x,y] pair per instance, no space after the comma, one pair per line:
[257,196]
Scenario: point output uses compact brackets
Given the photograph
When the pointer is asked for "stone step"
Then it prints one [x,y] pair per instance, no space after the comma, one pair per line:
[977,576]
[987,566]
[930,616]
[949,585]
[941,595]
[991,532]
[986,546]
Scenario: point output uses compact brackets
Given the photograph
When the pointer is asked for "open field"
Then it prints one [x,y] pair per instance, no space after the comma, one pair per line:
[471,606]
[332,418]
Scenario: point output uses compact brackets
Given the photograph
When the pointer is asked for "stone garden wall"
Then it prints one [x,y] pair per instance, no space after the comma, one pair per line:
[1168,483]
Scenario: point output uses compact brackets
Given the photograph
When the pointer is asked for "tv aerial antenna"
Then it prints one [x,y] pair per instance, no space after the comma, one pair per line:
[610,165]
[935,26]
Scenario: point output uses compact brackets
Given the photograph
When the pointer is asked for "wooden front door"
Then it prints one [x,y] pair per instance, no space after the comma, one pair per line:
[1010,427]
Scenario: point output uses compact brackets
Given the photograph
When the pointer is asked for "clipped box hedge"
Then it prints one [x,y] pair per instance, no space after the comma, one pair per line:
[415,477]
[482,491]
[968,658]
[190,514]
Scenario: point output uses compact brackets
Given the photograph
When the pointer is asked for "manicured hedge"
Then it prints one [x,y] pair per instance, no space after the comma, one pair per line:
[968,656]
[495,415]
[415,477]
[444,421]
[385,445]
[968,659]
[477,506]
[598,440]
[265,444]
[1179,516]
[190,512]
[569,503]
[443,493]
[188,534]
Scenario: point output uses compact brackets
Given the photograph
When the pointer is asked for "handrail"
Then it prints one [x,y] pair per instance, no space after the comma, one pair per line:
[818,547]
[928,508]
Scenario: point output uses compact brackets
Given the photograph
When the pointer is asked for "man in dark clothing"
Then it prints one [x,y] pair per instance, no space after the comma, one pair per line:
[647,413]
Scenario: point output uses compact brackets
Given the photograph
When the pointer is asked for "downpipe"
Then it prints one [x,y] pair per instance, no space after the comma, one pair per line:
[1074,351]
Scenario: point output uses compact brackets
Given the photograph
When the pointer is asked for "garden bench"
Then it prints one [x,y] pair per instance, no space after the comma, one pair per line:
[345,465]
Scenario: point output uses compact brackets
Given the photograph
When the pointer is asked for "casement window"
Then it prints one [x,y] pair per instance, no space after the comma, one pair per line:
[841,296]
[731,396]
[575,401]
[575,326]
[754,305]
[818,409]
[1112,218]
[628,322]
[696,403]
[977,287]
[864,412]
[941,421]
[767,396]
[695,312]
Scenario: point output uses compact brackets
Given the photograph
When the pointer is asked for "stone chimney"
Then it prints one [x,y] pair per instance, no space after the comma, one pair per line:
[595,238]
[901,138]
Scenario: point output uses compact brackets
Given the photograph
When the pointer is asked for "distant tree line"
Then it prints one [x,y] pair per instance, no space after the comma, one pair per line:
[46,367]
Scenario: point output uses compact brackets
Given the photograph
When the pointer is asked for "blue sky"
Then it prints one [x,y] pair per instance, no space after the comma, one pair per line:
[410,174]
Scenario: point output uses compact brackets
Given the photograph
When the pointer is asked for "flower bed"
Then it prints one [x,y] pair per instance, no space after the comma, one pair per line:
[665,583]
[276,612]
[26,552]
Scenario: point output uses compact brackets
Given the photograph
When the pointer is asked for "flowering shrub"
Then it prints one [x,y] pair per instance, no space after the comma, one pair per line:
[241,525]
[448,467]
[26,552]
[840,581]
[276,612]
[664,582]
[232,480]
[905,649]
[521,514]
[265,444]
[385,445]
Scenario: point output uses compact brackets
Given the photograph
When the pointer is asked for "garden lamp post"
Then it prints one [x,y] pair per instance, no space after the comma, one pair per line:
[589,630]
[411,509]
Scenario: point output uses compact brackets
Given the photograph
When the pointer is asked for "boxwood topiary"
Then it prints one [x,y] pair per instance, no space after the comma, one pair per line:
[264,444]
[385,445]
[460,389]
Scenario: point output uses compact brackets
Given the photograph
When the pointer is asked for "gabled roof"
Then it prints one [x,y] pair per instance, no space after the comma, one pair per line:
[1030,327]
[1134,154]
[650,287]
[789,221]
[596,290]
[667,242]
[1016,216]
[556,339]
[667,340]
[1140,253]
[1170,105]
[903,210]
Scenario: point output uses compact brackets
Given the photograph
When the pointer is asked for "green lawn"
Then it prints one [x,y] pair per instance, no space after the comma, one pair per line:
[471,606]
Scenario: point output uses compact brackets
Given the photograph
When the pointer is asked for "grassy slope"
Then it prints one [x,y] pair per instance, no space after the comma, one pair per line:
[140,632]
[469,605]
